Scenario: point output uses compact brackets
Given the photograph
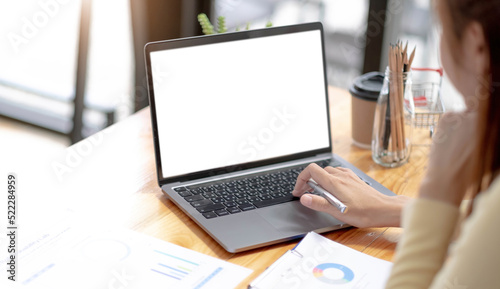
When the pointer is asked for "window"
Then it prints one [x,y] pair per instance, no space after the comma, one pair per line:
[38,71]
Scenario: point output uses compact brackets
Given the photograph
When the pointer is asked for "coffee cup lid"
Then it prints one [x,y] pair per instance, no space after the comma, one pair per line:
[368,86]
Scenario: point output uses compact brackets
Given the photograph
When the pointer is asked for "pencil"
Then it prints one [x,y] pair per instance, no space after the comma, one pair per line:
[411,58]
[392,97]
[393,132]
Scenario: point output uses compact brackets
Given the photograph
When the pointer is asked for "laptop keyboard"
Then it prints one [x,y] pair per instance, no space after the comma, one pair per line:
[232,196]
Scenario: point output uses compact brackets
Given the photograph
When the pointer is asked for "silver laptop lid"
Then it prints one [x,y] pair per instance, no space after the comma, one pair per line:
[239,100]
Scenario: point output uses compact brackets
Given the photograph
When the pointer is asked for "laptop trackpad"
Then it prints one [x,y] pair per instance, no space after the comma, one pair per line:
[296,218]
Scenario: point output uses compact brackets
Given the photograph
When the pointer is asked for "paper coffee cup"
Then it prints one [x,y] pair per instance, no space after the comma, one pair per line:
[365,91]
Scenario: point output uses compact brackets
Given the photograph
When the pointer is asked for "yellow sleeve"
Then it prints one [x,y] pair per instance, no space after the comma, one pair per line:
[474,261]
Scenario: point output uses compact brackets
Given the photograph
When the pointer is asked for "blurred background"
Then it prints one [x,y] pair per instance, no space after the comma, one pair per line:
[71,68]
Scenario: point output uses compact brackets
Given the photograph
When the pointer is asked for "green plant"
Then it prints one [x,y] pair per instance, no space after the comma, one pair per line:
[205,24]
[221,24]
[208,28]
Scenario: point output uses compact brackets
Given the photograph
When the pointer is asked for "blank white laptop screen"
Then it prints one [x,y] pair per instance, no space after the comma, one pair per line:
[239,101]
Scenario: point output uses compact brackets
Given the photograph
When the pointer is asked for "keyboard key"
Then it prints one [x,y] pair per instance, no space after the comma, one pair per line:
[276,195]
[275,175]
[230,198]
[323,163]
[210,215]
[196,191]
[222,212]
[246,207]
[209,195]
[209,189]
[270,202]
[219,186]
[184,193]
[218,200]
[266,184]
[233,210]
[256,186]
[231,184]
[241,188]
[253,199]
[252,192]
[266,191]
[180,189]
[264,177]
[232,190]
[194,198]
[230,204]
[208,208]
[240,195]
[201,203]
[274,187]
[242,201]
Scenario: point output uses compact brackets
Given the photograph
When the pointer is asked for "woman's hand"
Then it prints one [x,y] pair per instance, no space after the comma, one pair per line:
[453,167]
[366,206]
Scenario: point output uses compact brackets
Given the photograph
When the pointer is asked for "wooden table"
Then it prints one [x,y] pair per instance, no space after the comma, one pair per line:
[115,180]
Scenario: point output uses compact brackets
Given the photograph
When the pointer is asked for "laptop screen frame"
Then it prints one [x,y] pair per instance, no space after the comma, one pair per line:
[220,38]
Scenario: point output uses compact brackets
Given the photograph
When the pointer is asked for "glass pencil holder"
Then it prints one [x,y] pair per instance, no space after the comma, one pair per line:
[393,120]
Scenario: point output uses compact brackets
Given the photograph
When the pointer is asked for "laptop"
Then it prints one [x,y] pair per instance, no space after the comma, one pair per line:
[235,118]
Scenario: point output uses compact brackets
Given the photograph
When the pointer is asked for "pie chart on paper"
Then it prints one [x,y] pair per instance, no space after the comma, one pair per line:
[333,273]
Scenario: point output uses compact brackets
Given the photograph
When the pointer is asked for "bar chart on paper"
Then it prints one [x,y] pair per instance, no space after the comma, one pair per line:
[161,262]
[165,265]
[152,263]
[175,269]
[121,258]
